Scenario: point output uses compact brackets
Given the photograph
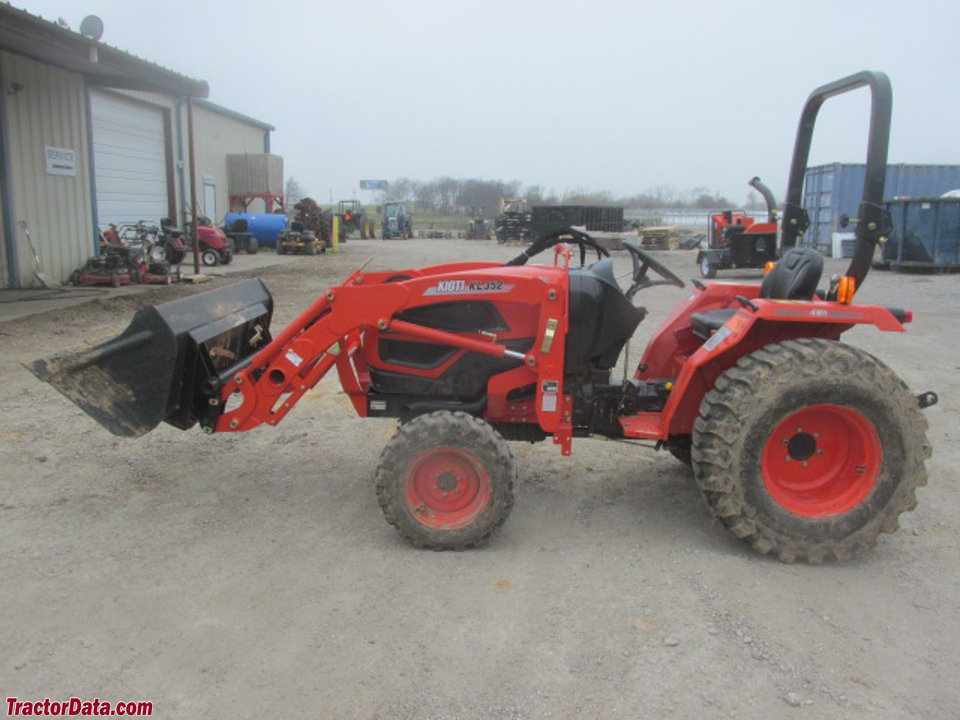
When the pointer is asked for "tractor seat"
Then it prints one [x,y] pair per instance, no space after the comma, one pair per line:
[794,277]
[704,324]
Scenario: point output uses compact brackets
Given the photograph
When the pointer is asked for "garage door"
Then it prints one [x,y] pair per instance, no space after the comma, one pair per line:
[130,160]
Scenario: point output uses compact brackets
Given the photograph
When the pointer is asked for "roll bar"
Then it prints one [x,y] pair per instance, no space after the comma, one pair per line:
[874,220]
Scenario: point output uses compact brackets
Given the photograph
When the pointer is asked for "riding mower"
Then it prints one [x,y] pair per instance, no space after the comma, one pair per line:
[735,240]
[298,240]
[173,244]
[803,446]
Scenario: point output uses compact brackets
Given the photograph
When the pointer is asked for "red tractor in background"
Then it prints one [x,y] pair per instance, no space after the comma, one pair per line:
[803,446]
[735,240]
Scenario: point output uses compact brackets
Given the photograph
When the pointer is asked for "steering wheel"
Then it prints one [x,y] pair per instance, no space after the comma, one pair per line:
[555,237]
[642,262]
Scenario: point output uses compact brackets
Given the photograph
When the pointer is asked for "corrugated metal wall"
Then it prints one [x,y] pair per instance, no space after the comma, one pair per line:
[216,136]
[50,110]
[832,190]
[254,174]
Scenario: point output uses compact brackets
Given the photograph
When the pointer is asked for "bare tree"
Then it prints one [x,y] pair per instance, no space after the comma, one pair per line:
[293,191]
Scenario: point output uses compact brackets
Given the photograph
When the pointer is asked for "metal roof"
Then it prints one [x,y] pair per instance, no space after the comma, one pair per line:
[101,64]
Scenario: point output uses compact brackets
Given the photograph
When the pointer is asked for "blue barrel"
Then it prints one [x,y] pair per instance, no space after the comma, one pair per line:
[265,227]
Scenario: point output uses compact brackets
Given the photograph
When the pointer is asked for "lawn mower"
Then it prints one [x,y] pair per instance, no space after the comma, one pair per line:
[803,446]
[125,258]
[735,240]
[298,240]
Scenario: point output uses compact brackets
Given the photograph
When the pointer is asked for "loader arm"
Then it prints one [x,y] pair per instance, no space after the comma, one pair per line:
[332,331]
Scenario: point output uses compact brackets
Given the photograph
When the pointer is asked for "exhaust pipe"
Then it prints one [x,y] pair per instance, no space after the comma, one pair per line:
[170,362]
[757,184]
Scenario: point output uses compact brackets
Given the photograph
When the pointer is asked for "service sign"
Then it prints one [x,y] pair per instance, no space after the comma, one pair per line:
[373,184]
[61,161]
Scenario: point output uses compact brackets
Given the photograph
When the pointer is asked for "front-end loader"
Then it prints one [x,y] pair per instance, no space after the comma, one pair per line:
[802,445]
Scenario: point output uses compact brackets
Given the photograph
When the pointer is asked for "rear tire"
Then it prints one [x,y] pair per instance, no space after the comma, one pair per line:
[445,481]
[809,449]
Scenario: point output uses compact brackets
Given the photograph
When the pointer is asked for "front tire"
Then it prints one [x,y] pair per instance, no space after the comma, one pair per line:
[809,449]
[210,258]
[445,481]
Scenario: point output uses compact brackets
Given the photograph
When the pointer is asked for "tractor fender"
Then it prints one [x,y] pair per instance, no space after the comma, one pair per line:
[757,324]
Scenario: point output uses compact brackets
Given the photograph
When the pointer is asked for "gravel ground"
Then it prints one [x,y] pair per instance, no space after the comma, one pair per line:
[247,575]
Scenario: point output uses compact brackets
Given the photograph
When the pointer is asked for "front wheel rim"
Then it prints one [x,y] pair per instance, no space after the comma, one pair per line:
[447,488]
[822,460]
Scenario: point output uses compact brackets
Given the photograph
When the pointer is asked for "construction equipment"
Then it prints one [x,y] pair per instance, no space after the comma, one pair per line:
[802,445]
[396,221]
[735,240]
[514,224]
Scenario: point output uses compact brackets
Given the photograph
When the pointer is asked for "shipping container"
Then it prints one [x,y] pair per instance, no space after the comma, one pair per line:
[595,218]
[926,234]
[831,191]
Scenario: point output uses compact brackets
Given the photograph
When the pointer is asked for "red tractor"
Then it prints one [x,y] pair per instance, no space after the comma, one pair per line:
[802,445]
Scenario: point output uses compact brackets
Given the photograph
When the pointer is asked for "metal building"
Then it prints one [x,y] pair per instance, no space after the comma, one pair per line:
[220,133]
[91,135]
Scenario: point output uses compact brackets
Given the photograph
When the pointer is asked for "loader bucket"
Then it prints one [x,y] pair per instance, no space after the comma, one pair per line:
[169,364]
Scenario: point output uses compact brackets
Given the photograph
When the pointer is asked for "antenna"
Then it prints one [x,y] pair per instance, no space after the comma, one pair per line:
[92,27]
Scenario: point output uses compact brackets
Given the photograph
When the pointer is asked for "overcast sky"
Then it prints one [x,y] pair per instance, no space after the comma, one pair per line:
[615,95]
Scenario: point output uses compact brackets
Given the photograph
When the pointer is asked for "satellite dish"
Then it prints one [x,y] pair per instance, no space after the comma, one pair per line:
[92,27]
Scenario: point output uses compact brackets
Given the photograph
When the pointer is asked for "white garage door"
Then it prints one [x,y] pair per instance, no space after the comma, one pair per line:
[130,160]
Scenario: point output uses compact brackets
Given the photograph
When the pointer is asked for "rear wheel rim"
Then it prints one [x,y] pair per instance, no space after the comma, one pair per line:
[822,460]
[447,488]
